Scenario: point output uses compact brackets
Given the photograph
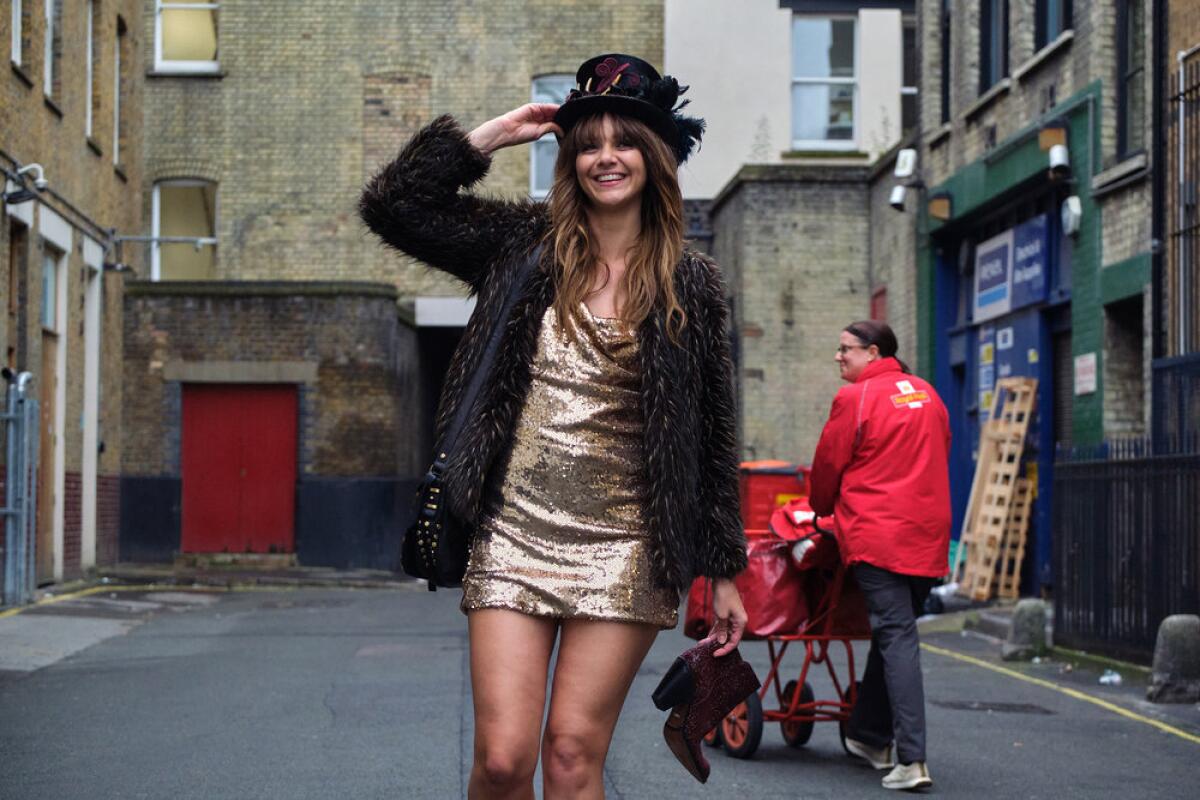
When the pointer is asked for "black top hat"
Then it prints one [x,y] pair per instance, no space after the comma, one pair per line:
[619,84]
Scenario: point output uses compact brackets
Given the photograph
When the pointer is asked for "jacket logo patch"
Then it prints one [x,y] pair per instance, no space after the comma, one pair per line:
[909,397]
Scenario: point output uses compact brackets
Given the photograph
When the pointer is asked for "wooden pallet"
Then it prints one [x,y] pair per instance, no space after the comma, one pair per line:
[1001,443]
[1012,549]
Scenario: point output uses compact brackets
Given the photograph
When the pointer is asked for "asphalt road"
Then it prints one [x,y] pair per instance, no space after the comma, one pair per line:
[317,693]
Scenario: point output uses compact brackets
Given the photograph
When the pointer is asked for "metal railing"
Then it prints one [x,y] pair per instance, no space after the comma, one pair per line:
[20,491]
[1126,543]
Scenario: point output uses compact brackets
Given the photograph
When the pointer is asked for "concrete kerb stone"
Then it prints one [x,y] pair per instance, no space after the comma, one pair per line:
[1027,633]
[1175,677]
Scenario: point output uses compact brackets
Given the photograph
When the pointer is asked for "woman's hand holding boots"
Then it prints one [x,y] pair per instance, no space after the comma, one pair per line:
[730,616]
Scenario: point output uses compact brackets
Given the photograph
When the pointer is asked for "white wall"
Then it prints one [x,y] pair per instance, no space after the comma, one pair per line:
[880,72]
[736,56]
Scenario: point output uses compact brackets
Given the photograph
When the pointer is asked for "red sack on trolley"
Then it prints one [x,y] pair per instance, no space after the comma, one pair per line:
[771,586]
[817,557]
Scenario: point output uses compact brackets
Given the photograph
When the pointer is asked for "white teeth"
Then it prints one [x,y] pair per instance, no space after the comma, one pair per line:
[609,178]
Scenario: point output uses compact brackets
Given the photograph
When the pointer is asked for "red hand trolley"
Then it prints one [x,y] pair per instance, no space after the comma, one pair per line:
[795,590]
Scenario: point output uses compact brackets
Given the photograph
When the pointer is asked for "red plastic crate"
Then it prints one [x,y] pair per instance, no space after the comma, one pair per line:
[765,486]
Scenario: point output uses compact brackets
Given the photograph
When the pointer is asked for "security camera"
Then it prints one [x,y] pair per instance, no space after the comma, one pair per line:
[39,179]
[1060,161]
[896,198]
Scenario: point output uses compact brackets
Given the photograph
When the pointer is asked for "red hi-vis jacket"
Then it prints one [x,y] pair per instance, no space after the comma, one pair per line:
[881,468]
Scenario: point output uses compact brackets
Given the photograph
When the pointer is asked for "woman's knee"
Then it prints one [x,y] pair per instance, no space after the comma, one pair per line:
[569,757]
[504,766]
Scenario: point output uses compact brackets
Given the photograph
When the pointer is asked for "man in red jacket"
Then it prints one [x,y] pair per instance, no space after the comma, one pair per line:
[881,468]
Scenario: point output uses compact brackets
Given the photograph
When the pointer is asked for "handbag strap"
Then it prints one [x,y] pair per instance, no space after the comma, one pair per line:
[446,447]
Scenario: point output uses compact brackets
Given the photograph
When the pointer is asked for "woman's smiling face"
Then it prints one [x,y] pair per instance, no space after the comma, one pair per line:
[610,170]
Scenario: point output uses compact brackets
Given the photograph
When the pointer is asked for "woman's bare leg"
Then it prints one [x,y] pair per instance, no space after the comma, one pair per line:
[510,656]
[596,665]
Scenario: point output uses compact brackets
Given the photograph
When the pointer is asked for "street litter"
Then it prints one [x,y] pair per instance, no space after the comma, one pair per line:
[1110,678]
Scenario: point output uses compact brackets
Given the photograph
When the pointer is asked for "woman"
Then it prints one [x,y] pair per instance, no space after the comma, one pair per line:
[881,470]
[599,474]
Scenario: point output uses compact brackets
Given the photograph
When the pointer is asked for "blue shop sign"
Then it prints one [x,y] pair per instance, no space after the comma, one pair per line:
[1011,269]
[1031,268]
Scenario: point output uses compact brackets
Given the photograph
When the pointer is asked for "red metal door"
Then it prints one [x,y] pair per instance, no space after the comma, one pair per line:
[239,468]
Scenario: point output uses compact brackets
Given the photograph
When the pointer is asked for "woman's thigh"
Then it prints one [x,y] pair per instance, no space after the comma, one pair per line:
[597,662]
[510,657]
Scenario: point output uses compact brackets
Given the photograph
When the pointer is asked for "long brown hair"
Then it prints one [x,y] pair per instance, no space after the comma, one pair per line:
[650,264]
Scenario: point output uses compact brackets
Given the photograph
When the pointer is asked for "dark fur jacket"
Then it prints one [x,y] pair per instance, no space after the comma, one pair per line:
[690,451]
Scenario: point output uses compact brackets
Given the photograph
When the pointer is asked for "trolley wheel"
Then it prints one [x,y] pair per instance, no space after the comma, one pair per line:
[741,729]
[713,737]
[797,734]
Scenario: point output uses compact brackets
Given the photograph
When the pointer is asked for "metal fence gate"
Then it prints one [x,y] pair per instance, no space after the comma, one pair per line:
[1126,544]
[1176,388]
[20,491]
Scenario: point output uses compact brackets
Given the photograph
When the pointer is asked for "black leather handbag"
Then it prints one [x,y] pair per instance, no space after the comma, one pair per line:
[435,545]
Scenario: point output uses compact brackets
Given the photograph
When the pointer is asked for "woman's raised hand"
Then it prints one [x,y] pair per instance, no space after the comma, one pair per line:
[528,123]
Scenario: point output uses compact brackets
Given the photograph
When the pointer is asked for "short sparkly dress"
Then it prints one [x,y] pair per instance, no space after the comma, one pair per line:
[567,537]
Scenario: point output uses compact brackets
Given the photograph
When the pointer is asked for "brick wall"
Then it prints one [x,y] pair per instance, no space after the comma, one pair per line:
[985,127]
[893,256]
[794,242]
[108,518]
[353,410]
[313,95]
[72,525]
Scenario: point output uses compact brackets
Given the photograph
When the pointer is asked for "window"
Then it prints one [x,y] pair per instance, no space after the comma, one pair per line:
[185,36]
[908,78]
[120,59]
[92,94]
[186,209]
[993,43]
[17,29]
[16,277]
[1051,17]
[52,54]
[49,315]
[1131,95]
[823,82]
[946,42]
[543,154]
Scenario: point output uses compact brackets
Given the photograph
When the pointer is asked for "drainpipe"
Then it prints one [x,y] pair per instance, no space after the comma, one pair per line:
[1158,186]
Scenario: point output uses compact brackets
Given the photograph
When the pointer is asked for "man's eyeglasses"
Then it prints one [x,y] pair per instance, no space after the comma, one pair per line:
[846,348]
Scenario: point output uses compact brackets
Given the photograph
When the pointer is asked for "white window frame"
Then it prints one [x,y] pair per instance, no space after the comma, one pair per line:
[829,144]
[48,51]
[91,89]
[183,67]
[534,192]
[16,33]
[156,221]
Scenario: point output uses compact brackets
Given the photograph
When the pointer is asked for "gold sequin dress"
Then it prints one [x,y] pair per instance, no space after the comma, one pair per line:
[567,538]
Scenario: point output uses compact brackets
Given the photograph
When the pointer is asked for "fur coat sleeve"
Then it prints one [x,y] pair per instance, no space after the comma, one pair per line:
[415,204]
[722,539]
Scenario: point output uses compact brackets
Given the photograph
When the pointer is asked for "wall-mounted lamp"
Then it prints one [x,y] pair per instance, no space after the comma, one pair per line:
[1052,133]
[118,266]
[940,206]
[1060,162]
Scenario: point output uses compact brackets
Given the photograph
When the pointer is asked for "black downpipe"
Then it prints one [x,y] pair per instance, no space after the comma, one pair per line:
[1158,190]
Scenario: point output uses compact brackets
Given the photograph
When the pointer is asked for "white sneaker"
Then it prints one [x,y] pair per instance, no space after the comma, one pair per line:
[908,776]
[878,757]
